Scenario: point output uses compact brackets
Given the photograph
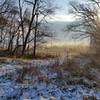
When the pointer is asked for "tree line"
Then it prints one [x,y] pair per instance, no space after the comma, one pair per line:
[22,24]
[87,24]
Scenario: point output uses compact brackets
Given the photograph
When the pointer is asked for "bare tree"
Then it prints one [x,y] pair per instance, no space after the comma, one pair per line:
[43,9]
[88,23]
[5,17]
[21,24]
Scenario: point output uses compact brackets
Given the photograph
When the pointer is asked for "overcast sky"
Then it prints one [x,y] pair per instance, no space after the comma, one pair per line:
[60,20]
[62,13]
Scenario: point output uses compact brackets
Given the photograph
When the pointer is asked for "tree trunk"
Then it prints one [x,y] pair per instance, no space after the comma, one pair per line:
[30,26]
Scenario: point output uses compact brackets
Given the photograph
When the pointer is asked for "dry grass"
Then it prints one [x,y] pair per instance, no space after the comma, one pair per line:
[63,50]
[89,98]
[31,72]
[73,73]
[68,66]
[70,69]
[51,52]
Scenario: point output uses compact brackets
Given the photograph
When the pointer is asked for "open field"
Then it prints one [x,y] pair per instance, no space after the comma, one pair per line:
[58,73]
[75,78]
[44,52]
[60,51]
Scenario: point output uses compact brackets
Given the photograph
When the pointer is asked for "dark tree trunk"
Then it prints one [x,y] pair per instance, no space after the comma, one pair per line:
[30,26]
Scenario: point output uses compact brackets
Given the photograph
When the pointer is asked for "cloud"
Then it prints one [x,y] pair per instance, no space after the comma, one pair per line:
[60,18]
[68,18]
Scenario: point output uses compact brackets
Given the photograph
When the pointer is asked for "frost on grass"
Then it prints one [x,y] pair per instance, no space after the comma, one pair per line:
[43,80]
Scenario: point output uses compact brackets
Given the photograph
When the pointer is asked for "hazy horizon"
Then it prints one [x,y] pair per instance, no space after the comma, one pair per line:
[63,37]
[58,22]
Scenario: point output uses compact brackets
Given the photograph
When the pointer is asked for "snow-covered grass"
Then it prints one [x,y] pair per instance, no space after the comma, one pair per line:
[53,79]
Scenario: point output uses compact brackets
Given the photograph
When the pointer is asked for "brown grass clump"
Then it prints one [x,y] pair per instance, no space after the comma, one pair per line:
[73,73]
[74,68]
[25,71]
[67,69]
[32,71]
[39,56]
[42,78]
[89,98]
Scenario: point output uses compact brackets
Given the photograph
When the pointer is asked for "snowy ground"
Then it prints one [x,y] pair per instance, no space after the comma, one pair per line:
[10,89]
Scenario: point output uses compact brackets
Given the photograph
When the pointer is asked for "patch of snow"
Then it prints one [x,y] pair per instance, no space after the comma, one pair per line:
[10,89]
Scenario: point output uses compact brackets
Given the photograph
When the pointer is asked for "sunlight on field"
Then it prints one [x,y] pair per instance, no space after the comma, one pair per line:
[64,50]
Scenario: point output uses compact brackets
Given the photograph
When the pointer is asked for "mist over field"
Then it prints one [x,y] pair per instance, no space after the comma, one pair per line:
[62,37]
